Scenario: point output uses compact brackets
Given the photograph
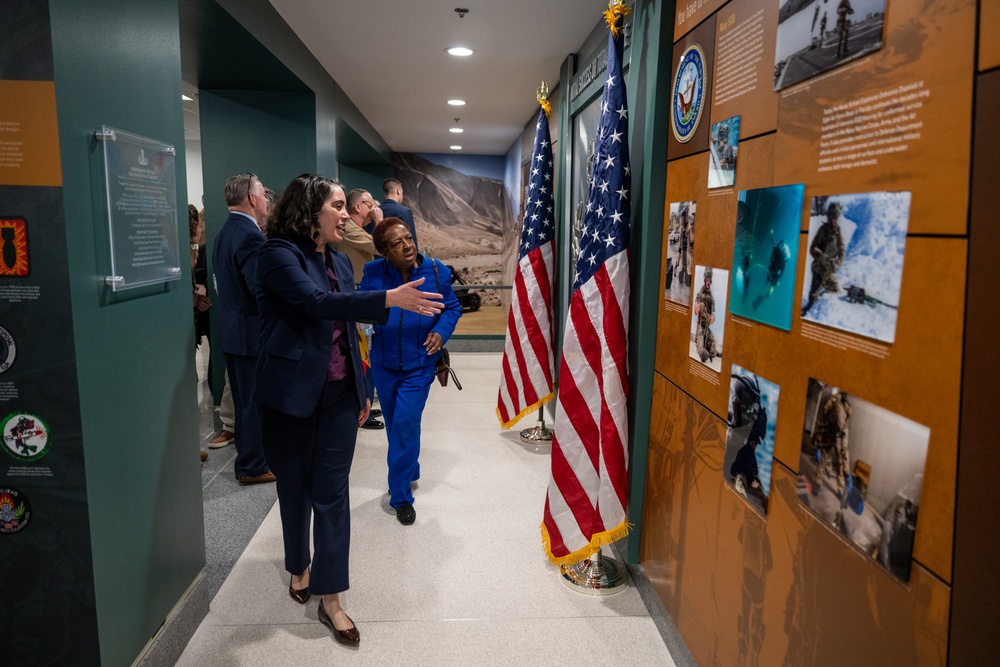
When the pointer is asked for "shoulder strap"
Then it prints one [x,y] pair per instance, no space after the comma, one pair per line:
[437,279]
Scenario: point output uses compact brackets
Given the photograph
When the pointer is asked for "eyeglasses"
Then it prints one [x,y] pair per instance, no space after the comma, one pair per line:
[371,204]
[250,178]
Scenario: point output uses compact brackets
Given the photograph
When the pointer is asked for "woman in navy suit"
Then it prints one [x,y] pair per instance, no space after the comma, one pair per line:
[310,383]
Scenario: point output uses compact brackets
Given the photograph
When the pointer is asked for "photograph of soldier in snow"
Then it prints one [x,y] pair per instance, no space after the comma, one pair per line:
[854,266]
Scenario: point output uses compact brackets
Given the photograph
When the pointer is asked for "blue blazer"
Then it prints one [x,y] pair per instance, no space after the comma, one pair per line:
[234,253]
[398,345]
[297,310]
[393,209]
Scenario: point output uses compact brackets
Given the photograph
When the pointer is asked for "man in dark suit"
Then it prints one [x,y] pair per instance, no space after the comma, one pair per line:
[234,260]
[392,206]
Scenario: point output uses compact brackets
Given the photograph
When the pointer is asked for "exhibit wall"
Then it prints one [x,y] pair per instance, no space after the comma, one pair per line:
[811,313]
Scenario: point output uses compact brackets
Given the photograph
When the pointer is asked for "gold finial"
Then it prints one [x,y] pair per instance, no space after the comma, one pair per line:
[542,95]
[615,15]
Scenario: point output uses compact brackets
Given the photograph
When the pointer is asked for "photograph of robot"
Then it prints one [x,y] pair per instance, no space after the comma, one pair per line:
[861,472]
[854,267]
[753,414]
[815,36]
[723,151]
[765,254]
[680,250]
[708,317]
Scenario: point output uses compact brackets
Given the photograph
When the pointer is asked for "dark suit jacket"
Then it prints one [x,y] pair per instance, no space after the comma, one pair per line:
[393,209]
[297,310]
[234,255]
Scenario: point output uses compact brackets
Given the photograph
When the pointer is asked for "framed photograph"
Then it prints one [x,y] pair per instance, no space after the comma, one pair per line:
[753,414]
[854,267]
[708,316]
[765,254]
[815,36]
[723,149]
[680,249]
[861,472]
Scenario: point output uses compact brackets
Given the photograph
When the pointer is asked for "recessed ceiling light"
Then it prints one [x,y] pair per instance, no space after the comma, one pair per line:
[185,98]
[456,130]
[455,148]
[457,103]
[460,51]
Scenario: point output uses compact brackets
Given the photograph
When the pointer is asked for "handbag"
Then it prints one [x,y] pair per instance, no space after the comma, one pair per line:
[443,368]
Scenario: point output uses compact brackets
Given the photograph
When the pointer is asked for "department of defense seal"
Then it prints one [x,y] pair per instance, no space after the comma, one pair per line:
[15,510]
[8,350]
[24,436]
[689,94]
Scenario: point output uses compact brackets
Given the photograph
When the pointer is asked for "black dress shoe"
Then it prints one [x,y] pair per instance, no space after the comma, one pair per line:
[349,637]
[406,514]
[300,595]
[375,412]
[373,424]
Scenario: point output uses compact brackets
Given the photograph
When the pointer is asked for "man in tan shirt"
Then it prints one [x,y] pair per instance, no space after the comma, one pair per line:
[357,243]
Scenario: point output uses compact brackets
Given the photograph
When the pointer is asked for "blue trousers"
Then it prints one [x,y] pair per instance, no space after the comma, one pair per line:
[311,459]
[250,460]
[402,395]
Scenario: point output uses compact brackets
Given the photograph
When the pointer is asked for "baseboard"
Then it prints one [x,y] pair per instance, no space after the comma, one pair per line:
[164,649]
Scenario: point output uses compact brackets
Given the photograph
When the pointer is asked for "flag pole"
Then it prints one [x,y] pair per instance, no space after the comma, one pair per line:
[539,432]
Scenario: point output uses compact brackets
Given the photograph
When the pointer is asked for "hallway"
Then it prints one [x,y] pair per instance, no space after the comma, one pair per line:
[466,584]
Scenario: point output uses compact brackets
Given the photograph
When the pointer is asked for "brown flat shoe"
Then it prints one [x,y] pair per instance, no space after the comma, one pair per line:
[300,595]
[263,478]
[349,637]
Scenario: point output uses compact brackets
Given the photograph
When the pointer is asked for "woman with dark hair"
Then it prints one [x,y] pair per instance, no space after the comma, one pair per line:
[310,386]
[405,351]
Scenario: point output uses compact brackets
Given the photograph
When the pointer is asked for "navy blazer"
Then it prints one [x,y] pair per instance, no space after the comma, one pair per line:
[297,311]
[393,209]
[234,252]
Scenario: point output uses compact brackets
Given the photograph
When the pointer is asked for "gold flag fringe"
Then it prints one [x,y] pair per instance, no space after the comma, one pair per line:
[615,15]
[547,106]
[596,542]
[531,408]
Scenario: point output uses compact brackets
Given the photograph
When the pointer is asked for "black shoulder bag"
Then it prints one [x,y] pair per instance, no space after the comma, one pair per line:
[443,368]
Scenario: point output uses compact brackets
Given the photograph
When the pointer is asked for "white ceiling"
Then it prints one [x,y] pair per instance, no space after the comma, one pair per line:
[389,57]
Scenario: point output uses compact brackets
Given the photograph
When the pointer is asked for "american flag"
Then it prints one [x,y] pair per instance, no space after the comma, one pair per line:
[526,383]
[586,500]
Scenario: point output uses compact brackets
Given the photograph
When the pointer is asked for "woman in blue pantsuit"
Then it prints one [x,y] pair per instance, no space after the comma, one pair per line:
[310,384]
[405,350]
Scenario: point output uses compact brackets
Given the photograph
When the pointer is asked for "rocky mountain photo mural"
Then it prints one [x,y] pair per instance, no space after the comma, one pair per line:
[465,221]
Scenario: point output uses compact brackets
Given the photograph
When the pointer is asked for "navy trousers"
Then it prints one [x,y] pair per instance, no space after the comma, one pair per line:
[250,460]
[311,459]
[402,395]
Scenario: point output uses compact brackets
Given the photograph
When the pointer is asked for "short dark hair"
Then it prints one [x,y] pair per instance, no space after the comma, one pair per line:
[354,196]
[296,216]
[390,184]
[382,230]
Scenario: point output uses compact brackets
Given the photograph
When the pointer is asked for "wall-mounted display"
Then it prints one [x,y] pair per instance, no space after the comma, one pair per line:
[765,254]
[722,156]
[861,472]
[753,414]
[708,319]
[854,268]
[680,246]
[818,35]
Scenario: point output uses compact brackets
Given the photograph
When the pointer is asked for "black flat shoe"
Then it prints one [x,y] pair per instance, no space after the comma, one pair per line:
[375,412]
[373,424]
[300,595]
[349,637]
[406,514]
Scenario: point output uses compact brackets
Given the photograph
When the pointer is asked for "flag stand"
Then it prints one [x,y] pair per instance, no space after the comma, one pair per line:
[597,575]
[539,433]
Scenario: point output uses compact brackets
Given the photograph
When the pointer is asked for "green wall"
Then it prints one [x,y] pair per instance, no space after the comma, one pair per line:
[134,350]
[271,134]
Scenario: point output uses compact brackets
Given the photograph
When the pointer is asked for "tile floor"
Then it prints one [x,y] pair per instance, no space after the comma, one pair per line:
[467,584]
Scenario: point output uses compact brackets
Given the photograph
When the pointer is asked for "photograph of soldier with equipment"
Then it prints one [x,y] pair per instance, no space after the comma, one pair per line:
[724,147]
[861,472]
[680,250]
[708,317]
[815,36]
[753,414]
[768,223]
[854,267]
